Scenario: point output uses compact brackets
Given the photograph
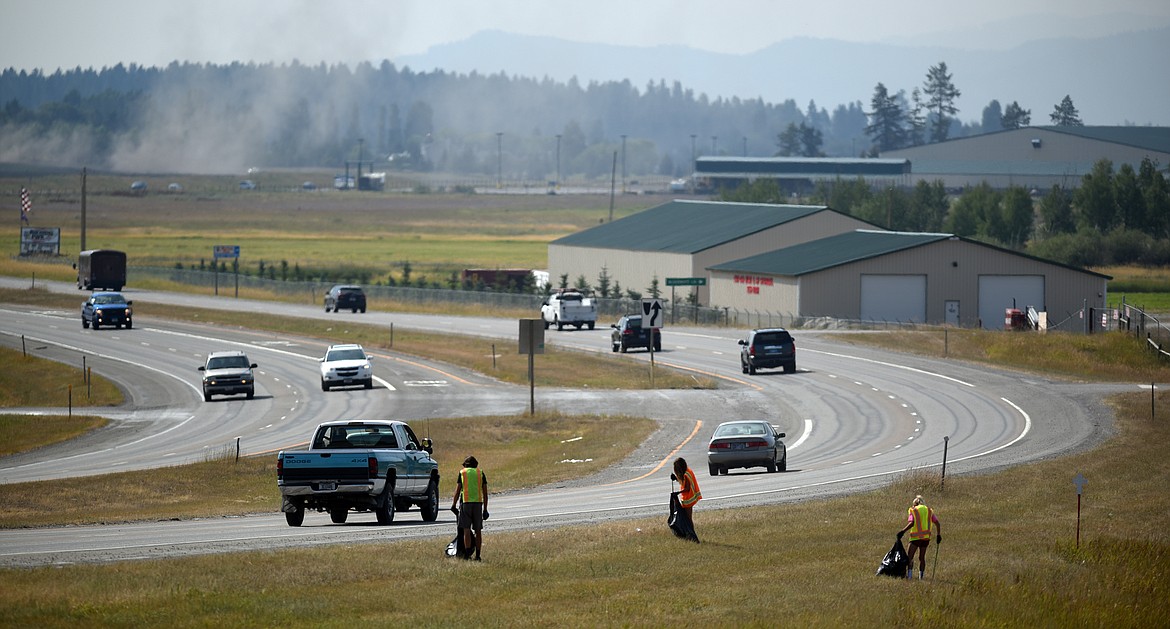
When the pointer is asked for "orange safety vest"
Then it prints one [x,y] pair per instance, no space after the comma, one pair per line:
[472,485]
[923,517]
[689,492]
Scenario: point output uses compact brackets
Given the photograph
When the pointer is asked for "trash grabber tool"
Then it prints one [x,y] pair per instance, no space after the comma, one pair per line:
[935,566]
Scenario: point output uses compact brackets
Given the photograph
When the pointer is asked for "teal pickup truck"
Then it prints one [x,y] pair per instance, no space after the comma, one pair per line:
[359,465]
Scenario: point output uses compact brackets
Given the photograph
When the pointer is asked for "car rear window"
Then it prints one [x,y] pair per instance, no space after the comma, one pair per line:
[773,338]
[740,430]
[351,291]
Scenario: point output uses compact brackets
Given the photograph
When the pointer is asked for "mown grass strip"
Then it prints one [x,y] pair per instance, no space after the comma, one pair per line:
[517,452]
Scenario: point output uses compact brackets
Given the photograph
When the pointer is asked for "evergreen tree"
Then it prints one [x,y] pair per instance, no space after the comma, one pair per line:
[1131,204]
[941,93]
[916,120]
[1018,217]
[887,128]
[603,282]
[1056,213]
[1094,200]
[1065,114]
[992,117]
[928,206]
[1015,116]
[1156,194]
[789,141]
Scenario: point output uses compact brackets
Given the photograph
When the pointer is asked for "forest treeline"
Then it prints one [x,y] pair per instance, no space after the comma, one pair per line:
[191,117]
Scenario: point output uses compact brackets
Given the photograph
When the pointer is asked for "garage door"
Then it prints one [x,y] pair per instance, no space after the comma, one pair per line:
[893,298]
[999,292]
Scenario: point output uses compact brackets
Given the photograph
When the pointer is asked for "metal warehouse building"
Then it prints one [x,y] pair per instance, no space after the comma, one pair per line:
[799,173]
[908,277]
[683,238]
[1034,157]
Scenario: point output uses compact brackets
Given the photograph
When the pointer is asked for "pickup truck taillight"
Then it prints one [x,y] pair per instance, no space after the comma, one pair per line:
[279,468]
[373,463]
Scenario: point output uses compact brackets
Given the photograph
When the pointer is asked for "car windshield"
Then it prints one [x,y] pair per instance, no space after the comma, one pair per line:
[773,338]
[108,299]
[741,430]
[227,362]
[345,354]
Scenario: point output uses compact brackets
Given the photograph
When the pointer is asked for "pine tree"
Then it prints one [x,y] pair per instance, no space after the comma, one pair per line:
[1015,116]
[941,102]
[887,126]
[1065,114]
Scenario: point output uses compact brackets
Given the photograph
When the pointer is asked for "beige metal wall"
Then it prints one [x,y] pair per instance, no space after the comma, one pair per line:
[952,268]
[1004,149]
[776,294]
[635,269]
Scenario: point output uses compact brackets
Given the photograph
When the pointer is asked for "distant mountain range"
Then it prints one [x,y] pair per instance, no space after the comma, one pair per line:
[1113,80]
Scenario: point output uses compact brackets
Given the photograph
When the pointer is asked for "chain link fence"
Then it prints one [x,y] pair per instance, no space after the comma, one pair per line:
[311,291]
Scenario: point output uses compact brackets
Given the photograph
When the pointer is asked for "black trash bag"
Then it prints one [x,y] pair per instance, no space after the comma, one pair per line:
[895,562]
[679,520]
[456,547]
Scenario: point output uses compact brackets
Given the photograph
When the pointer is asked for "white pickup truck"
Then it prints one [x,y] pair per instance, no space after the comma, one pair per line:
[568,307]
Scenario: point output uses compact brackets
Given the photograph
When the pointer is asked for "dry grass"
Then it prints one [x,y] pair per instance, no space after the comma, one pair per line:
[1010,559]
[23,382]
[1112,357]
[517,452]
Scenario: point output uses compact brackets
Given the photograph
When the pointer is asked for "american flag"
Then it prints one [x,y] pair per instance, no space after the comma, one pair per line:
[25,205]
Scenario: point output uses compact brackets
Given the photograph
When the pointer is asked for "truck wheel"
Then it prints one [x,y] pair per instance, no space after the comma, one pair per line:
[590,325]
[84,323]
[615,347]
[206,396]
[560,326]
[751,369]
[294,518]
[339,515]
[430,507]
[658,346]
[324,385]
[369,384]
[385,512]
[129,324]
[251,393]
[624,349]
[363,311]
[95,324]
[546,324]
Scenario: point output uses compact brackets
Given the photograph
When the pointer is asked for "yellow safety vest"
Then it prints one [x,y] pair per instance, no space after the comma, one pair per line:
[472,486]
[923,517]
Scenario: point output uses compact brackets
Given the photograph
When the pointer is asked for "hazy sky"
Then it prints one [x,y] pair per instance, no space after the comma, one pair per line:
[52,34]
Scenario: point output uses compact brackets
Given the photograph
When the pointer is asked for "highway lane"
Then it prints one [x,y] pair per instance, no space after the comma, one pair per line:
[855,416]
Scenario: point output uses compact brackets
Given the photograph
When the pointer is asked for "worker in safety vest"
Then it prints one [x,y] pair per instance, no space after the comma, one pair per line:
[471,489]
[688,494]
[922,524]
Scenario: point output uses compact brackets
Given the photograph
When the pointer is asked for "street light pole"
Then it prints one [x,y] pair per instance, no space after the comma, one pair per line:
[692,178]
[623,163]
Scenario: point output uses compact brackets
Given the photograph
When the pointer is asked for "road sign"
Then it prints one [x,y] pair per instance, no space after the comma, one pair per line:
[651,313]
[226,251]
[686,281]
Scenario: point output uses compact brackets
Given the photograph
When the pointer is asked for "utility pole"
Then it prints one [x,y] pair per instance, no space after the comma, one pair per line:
[623,163]
[499,159]
[558,184]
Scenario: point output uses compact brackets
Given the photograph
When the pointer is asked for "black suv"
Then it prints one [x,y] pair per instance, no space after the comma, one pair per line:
[351,298]
[768,348]
[628,332]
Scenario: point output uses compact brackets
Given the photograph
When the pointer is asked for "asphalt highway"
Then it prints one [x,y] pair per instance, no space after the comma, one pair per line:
[855,418]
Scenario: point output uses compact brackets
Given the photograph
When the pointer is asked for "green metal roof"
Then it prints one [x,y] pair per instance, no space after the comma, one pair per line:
[829,252]
[862,244]
[688,226]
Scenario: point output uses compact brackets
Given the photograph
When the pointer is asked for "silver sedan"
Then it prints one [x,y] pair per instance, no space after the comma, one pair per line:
[746,443]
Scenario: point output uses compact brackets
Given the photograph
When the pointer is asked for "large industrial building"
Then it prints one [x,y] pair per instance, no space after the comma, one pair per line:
[680,239]
[1036,158]
[884,276]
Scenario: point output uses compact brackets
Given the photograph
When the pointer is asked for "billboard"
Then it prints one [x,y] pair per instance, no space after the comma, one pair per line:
[40,241]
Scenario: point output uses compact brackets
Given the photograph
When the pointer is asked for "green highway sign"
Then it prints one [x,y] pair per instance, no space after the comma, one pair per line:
[686,281]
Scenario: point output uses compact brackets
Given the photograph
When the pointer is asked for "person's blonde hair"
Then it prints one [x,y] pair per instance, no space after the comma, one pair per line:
[917,500]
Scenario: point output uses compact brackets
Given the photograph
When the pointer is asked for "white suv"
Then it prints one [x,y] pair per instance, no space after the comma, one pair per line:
[346,365]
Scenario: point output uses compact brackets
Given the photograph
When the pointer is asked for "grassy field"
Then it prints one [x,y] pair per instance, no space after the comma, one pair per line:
[347,232]
[1010,559]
